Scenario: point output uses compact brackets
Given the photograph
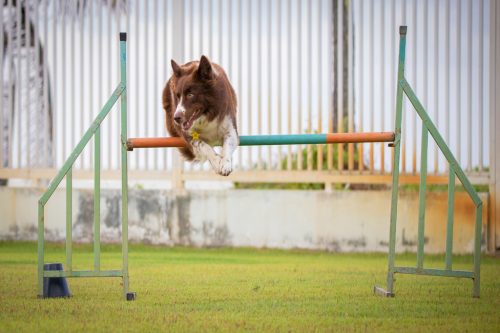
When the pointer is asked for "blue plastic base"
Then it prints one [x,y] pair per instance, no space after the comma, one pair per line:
[131,296]
[55,286]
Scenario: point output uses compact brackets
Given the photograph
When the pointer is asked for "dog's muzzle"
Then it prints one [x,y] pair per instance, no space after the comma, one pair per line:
[178,117]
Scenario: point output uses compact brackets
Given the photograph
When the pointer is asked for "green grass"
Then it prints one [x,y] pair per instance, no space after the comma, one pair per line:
[187,289]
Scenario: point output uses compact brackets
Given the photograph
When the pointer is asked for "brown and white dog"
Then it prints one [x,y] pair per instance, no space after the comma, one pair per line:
[200,106]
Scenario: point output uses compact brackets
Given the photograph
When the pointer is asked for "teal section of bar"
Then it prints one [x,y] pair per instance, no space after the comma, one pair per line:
[291,139]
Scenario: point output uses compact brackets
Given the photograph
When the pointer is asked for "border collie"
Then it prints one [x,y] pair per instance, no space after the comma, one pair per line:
[200,106]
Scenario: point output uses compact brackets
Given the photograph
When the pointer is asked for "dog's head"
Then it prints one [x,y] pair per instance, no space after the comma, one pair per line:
[194,92]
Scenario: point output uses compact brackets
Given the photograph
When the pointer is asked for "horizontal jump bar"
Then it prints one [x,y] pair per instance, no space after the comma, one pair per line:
[266,140]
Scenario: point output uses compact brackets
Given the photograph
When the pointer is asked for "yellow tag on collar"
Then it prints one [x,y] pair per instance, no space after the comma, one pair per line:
[195,135]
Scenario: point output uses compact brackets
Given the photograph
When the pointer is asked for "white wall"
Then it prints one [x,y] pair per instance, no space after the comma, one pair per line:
[338,221]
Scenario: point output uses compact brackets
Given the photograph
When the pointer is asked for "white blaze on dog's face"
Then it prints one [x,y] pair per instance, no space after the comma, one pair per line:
[195,95]
[179,112]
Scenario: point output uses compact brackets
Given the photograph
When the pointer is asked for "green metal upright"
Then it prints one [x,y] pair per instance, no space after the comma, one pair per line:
[449,224]
[97,199]
[69,220]
[428,127]
[395,169]
[123,136]
[66,171]
[421,198]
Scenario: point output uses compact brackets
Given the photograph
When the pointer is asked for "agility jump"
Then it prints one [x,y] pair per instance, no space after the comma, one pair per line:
[394,139]
[271,140]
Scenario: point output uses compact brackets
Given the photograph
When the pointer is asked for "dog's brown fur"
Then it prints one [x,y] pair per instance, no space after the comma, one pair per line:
[210,95]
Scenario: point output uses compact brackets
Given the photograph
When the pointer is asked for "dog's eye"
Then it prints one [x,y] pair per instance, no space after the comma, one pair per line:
[190,95]
[178,95]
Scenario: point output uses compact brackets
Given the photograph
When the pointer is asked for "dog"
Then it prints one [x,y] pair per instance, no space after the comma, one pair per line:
[200,106]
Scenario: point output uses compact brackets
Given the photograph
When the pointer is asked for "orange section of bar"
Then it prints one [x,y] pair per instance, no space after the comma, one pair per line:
[360,137]
[133,143]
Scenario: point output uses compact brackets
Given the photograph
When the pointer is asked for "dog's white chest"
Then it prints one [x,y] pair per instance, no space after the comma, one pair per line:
[212,132]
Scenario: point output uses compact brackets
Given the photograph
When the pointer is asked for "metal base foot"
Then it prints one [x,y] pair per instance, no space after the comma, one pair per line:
[382,292]
[131,296]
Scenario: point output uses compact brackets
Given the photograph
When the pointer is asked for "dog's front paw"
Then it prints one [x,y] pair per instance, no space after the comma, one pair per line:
[225,167]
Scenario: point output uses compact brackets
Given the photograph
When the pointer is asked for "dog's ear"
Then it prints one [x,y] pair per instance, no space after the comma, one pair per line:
[205,71]
[176,68]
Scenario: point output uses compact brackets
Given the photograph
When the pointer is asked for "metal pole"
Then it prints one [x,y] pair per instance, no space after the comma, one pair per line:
[279,75]
[383,82]
[340,81]
[41,247]
[477,250]
[178,54]
[123,75]
[299,81]
[309,86]
[319,69]
[449,225]
[421,199]
[289,81]
[395,169]
[259,80]
[97,198]
[269,82]
[494,122]
[350,84]
[362,102]
[69,218]
[240,71]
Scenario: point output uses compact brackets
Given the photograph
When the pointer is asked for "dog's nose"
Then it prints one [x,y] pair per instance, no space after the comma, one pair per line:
[177,118]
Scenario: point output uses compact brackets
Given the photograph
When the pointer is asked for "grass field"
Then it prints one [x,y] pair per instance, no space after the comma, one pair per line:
[187,289]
